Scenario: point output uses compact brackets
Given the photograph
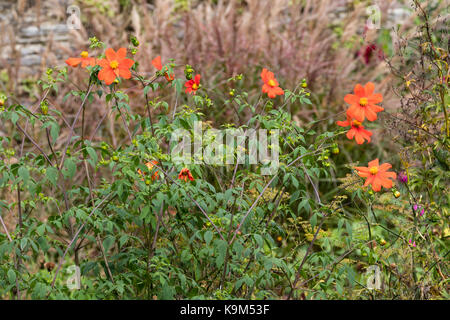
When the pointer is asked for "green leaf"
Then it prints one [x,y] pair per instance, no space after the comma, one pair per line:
[54,131]
[14,118]
[11,276]
[259,240]
[93,155]
[208,237]
[108,242]
[51,174]
[70,168]
[24,174]
[222,249]
[313,220]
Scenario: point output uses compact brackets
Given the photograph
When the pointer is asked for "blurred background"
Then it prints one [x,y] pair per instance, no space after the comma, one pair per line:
[333,44]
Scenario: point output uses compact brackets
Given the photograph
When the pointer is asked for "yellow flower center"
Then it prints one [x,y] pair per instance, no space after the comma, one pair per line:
[195,86]
[363,102]
[271,83]
[84,54]
[373,170]
[114,64]
[356,123]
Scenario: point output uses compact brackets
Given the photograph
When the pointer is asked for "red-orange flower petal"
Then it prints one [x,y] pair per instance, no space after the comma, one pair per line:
[363,102]
[377,175]
[115,65]
[157,63]
[185,174]
[150,166]
[356,131]
[85,60]
[271,85]
[193,85]
[73,62]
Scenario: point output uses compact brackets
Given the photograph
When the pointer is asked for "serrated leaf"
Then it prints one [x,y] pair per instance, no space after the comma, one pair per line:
[11,276]
[51,174]
[208,237]
[24,174]
[108,242]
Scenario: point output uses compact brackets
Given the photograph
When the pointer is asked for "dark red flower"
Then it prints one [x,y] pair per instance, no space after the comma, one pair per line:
[369,51]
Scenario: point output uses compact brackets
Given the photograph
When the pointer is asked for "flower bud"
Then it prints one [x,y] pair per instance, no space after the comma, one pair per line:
[2,101]
[188,71]
[44,107]
[134,41]
[402,177]
[304,84]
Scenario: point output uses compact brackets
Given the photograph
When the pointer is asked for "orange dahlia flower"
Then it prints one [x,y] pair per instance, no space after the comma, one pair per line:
[193,85]
[150,166]
[116,64]
[85,60]
[158,65]
[363,103]
[356,131]
[185,174]
[377,175]
[271,85]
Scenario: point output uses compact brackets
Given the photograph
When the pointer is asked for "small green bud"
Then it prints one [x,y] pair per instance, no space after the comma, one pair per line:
[188,71]
[135,41]
[10,152]
[44,108]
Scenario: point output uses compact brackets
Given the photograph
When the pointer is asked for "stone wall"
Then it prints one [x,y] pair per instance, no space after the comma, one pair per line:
[33,34]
